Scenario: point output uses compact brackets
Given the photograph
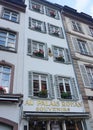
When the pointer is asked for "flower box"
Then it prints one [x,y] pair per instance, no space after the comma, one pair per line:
[37,28]
[43,94]
[39,53]
[52,14]
[60,58]
[65,95]
[2,90]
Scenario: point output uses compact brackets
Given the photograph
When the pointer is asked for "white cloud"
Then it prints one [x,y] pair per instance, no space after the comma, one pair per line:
[91,10]
[80,5]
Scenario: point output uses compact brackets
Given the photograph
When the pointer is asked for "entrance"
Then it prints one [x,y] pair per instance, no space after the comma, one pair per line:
[73,125]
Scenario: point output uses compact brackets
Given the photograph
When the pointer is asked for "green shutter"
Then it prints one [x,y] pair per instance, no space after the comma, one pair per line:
[67,56]
[46,51]
[51,87]
[29,49]
[74,89]
[84,76]
[57,87]
[30,89]
[61,32]
[30,22]
[75,43]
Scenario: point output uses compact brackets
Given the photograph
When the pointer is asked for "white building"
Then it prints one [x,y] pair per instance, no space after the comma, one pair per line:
[11,58]
[48,68]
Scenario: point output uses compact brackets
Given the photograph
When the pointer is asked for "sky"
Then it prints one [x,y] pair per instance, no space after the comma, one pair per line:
[85,6]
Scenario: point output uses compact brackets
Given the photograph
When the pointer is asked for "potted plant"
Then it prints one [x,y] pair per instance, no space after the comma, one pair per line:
[60,58]
[39,53]
[37,28]
[56,33]
[52,14]
[2,90]
[43,93]
[65,95]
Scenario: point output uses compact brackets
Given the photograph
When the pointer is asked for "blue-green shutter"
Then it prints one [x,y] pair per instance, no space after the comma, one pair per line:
[57,87]
[85,76]
[30,82]
[51,86]
[67,56]
[29,47]
[74,89]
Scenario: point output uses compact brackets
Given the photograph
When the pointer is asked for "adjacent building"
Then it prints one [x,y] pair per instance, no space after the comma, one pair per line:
[79,32]
[11,67]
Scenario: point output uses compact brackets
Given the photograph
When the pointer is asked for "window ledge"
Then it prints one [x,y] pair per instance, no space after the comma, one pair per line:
[37,57]
[7,49]
[10,20]
[37,30]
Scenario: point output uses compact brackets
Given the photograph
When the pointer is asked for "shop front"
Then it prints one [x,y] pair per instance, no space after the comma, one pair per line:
[55,115]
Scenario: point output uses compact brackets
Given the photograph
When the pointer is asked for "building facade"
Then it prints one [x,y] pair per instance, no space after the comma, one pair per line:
[51,95]
[11,49]
[38,84]
[79,32]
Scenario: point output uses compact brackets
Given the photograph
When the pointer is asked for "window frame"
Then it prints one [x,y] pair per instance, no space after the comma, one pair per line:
[10,15]
[6,64]
[66,59]
[39,53]
[38,10]
[52,31]
[50,88]
[91,31]
[76,26]
[39,28]
[6,39]
[53,13]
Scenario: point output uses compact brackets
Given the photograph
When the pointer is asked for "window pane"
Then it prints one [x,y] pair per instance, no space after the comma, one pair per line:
[6,69]
[3,34]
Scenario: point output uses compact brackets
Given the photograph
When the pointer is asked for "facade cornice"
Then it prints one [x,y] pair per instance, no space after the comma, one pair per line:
[16,6]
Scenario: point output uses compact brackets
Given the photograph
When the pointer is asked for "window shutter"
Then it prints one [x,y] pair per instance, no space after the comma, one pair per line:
[51,86]
[47,11]
[30,22]
[44,27]
[84,76]
[88,31]
[67,56]
[48,25]
[90,48]
[57,87]
[29,49]
[61,32]
[74,89]
[30,92]
[46,51]
[75,43]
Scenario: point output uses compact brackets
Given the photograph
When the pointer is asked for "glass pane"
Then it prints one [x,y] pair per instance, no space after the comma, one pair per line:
[3,34]
[6,16]
[6,77]
[5,83]
[2,43]
[6,69]
[11,35]
[14,19]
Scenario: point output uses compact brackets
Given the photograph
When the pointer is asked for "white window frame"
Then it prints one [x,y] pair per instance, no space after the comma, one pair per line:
[34,4]
[63,81]
[2,73]
[37,25]
[91,31]
[58,53]
[9,42]
[83,46]
[76,26]
[52,13]
[55,31]
[39,80]
[10,15]
[38,47]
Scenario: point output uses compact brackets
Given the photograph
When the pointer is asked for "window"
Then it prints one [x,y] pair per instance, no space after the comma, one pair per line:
[37,25]
[82,46]
[5,73]
[55,31]
[7,39]
[66,87]
[10,15]
[52,13]
[76,26]
[91,31]
[36,6]
[37,49]
[61,55]
[87,75]
[40,85]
